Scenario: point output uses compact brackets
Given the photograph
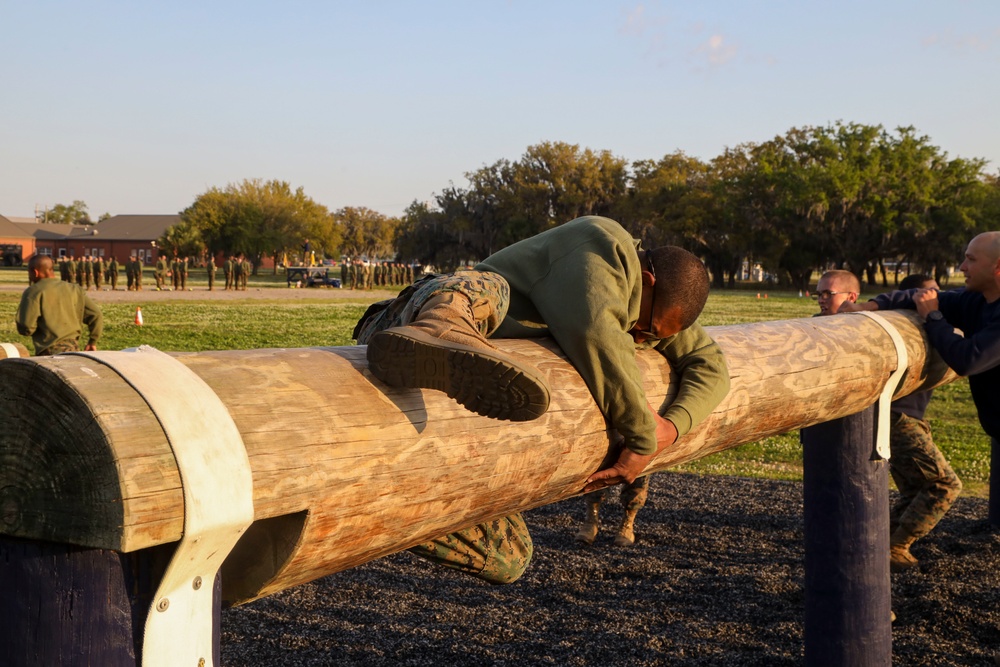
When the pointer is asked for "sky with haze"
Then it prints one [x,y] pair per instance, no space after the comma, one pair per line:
[139,107]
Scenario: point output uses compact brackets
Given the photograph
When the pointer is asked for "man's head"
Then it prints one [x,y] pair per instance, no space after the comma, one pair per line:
[39,267]
[675,289]
[915,280]
[835,288]
[982,265]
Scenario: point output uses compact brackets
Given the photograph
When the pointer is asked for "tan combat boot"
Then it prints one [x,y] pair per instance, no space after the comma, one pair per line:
[591,523]
[626,533]
[900,558]
[442,349]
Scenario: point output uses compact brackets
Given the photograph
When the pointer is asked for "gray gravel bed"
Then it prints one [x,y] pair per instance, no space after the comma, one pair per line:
[715,578]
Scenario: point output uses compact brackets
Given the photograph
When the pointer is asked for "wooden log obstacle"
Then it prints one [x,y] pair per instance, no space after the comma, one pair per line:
[345,469]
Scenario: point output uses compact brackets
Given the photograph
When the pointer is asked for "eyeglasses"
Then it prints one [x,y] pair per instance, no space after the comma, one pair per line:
[827,293]
[652,301]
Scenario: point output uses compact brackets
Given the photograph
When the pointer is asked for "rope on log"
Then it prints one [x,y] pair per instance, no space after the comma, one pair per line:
[346,469]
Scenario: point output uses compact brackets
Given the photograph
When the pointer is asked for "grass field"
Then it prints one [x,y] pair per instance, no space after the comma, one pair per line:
[210,325]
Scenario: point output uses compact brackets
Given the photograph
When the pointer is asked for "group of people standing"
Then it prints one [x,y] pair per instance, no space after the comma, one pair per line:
[367,275]
[236,270]
[93,271]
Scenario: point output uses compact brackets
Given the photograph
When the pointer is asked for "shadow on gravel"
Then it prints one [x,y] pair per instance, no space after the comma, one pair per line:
[715,578]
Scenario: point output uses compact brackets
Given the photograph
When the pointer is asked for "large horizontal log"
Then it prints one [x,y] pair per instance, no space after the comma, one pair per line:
[346,470]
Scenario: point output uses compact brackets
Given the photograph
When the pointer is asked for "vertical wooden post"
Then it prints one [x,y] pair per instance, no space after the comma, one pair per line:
[67,605]
[846,503]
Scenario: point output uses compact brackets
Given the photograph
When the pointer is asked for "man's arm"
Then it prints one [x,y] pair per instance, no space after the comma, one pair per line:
[94,320]
[27,315]
[971,354]
[966,355]
[704,382]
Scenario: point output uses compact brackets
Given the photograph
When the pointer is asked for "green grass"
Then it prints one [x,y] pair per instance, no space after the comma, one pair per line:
[215,325]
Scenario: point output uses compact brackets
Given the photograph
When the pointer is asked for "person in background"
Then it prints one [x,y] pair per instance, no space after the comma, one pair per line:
[926,482]
[54,312]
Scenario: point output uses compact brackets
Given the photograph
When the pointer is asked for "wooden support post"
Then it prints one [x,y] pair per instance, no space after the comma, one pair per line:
[846,503]
[68,605]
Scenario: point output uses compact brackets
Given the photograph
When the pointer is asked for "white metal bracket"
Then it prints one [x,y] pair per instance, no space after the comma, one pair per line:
[218,500]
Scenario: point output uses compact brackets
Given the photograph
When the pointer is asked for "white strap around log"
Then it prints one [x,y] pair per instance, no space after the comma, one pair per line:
[885,399]
[218,500]
[11,350]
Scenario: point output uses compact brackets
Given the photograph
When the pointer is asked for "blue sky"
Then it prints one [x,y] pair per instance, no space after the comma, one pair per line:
[139,107]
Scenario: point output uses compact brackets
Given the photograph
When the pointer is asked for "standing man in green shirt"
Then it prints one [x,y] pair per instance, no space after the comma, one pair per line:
[113,273]
[137,270]
[161,271]
[587,285]
[210,267]
[53,312]
[227,270]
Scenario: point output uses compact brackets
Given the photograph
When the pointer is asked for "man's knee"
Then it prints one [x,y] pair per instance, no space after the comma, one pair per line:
[510,550]
[498,551]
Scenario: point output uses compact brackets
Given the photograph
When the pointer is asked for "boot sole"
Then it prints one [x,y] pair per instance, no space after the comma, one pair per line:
[483,382]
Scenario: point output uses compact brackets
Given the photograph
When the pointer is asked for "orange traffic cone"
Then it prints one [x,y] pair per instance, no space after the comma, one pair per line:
[138,317]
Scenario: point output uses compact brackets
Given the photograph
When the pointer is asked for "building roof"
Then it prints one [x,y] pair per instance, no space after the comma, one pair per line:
[136,227]
[52,230]
[10,230]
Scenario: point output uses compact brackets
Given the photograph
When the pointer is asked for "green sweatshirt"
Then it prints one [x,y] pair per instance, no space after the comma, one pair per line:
[52,311]
[581,284]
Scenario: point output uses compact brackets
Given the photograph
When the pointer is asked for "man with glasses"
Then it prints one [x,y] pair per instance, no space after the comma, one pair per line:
[587,285]
[836,288]
[926,482]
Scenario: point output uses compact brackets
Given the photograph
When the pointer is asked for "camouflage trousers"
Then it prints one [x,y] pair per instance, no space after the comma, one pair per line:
[633,496]
[497,551]
[59,347]
[927,484]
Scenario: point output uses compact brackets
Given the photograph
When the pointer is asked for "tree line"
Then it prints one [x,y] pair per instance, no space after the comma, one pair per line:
[844,195]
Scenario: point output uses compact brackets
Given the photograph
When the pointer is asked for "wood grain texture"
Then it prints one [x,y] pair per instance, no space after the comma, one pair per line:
[346,469]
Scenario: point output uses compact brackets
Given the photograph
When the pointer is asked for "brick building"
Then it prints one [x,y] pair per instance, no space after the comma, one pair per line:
[121,236]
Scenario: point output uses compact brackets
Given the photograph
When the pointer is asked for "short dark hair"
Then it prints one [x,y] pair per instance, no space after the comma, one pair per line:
[914,280]
[40,263]
[681,281]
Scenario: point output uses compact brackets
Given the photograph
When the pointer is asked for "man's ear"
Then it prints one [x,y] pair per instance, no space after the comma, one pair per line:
[853,297]
[648,280]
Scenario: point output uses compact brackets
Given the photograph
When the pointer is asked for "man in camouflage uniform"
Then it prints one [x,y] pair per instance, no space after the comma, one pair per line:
[98,273]
[210,268]
[130,274]
[137,271]
[926,482]
[113,273]
[53,312]
[86,270]
[160,274]
[237,272]
[587,284]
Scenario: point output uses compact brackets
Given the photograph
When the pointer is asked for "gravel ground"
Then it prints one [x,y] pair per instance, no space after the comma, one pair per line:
[715,578]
